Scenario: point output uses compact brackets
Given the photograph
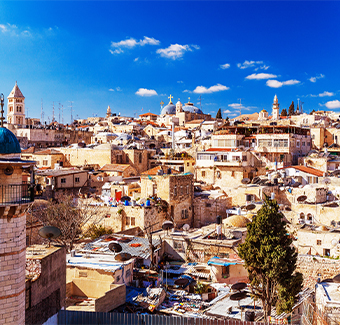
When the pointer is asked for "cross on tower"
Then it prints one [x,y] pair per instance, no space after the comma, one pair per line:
[188,99]
[170,97]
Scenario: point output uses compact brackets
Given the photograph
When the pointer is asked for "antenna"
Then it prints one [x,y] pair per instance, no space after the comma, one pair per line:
[71,102]
[42,113]
[62,114]
[59,112]
[240,99]
[53,113]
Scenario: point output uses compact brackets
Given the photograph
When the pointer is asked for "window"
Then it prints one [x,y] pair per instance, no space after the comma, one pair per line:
[225,271]
[187,164]
[232,174]
[203,173]
[318,242]
[208,205]
[175,190]
[303,144]
[327,252]
[77,179]
[187,189]
[133,221]
[128,221]
[140,158]
[298,144]
[302,215]
[117,278]
[185,214]
[45,162]
[244,158]
[63,180]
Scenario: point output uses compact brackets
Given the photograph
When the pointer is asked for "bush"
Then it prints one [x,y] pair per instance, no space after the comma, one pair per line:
[96,231]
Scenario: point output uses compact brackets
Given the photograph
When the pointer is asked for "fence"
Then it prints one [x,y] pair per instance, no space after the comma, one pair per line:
[68,317]
[16,194]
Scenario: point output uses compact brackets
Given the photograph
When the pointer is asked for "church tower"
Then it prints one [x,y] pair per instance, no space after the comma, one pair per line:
[16,107]
[276,109]
[179,107]
[108,112]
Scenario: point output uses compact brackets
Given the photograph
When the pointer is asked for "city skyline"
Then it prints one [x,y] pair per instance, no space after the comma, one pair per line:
[133,55]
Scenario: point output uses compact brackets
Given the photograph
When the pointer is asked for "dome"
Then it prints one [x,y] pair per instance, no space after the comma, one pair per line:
[169,109]
[237,221]
[8,142]
[189,107]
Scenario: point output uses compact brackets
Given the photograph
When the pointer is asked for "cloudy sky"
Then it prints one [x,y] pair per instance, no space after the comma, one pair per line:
[133,55]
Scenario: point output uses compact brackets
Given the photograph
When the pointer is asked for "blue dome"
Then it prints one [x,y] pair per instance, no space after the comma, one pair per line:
[189,107]
[8,142]
[169,109]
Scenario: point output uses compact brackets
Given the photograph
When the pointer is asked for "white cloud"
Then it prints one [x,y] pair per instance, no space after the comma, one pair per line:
[225,66]
[13,30]
[326,94]
[176,51]
[248,64]
[227,111]
[238,106]
[262,67]
[333,104]
[259,76]
[278,84]
[212,89]
[146,92]
[179,81]
[111,89]
[313,79]
[118,89]
[131,43]
[136,59]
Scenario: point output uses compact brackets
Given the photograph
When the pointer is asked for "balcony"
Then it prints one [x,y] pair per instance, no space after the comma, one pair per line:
[16,194]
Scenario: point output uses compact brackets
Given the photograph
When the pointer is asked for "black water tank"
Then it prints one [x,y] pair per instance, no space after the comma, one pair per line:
[219,220]
[169,171]
[249,316]
[248,197]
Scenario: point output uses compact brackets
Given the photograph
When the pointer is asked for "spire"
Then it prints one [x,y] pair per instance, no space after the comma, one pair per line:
[16,92]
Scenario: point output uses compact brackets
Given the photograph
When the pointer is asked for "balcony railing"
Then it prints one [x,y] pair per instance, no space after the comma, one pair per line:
[16,194]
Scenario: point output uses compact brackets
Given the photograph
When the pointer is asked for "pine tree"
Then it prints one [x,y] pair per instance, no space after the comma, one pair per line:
[219,113]
[271,260]
[291,110]
[284,112]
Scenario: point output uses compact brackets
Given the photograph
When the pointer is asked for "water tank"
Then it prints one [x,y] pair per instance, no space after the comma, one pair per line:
[238,210]
[249,316]
[248,197]
[272,196]
[169,171]
[219,230]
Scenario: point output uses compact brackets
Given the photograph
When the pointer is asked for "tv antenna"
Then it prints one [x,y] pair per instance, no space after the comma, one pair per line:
[53,113]
[240,99]
[71,102]
[59,112]
[42,113]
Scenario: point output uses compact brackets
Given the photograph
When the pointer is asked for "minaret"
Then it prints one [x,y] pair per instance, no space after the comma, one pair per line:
[178,107]
[108,112]
[276,109]
[16,107]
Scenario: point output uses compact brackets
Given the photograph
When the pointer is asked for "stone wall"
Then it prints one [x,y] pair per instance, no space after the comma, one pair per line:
[314,268]
[12,266]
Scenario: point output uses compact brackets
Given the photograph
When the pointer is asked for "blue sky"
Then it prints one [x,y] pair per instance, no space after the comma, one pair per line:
[133,55]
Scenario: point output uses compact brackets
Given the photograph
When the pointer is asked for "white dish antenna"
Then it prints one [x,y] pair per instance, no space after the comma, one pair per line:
[186,227]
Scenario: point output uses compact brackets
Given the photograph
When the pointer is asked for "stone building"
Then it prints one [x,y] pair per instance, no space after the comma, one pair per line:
[16,107]
[173,187]
[48,158]
[14,199]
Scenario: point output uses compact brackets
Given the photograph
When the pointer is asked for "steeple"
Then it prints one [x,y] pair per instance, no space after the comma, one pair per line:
[16,107]
[276,109]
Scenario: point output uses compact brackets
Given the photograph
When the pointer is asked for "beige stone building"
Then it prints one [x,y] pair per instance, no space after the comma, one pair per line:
[16,107]
[48,158]
[123,170]
[173,187]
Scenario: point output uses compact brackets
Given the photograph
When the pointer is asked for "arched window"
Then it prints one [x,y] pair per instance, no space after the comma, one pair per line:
[302,215]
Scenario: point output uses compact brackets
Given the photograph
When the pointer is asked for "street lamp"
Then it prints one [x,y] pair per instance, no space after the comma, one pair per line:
[2,110]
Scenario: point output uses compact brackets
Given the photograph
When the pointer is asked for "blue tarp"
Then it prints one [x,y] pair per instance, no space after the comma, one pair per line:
[220,262]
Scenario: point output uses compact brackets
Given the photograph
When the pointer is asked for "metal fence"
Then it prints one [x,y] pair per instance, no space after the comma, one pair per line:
[16,194]
[68,317]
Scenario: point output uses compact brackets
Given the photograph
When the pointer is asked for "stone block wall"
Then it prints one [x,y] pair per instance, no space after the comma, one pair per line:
[314,268]
[12,268]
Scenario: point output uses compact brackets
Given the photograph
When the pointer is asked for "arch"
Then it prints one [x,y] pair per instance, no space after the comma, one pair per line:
[302,215]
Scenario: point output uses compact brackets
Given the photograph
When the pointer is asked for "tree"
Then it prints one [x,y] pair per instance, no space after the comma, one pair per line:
[219,113]
[284,112]
[270,260]
[291,109]
[73,216]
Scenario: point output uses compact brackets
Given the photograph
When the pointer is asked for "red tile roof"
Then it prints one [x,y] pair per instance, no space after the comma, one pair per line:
[148,114]
[154,171]
[114,167]
[309,170]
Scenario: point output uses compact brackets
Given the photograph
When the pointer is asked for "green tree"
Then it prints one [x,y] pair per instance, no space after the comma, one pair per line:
[270,260]
[291,109]
[284,112]
[219,113]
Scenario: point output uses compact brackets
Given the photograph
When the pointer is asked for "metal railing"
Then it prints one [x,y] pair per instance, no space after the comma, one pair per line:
[16,194]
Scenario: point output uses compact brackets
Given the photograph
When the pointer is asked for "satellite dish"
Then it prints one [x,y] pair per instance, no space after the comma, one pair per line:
[248,207]
[49,232]
[167,225]
[245,181]
[186,227]
[123,257]
[287,208]
[8,170]
[334,242]
[302,198]
[115,247]
[182,282]
[239,286]
[336,279]
[238,296]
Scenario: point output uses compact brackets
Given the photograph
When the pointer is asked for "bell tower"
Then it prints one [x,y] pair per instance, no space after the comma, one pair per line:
[16,107]
[276,109]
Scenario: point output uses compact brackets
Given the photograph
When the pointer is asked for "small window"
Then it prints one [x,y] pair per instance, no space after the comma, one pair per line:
[45,162]
[327,252]
[175,190]
[232,174]
[318,242]
[203,173]
[133,221]
[77,180]
[188,164]
[63,180]
[208,205]
[128,221]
